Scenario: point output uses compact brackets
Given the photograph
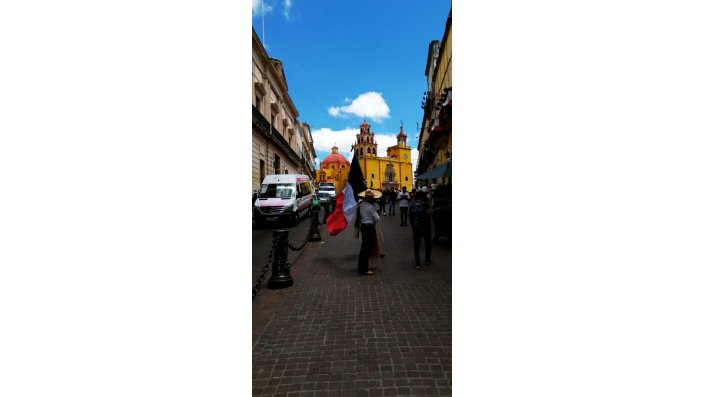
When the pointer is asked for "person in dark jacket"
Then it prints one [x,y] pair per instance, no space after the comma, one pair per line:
[382,204]
[392,199]
[420,218]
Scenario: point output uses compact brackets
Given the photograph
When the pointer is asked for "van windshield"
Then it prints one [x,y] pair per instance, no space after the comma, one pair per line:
[276,190]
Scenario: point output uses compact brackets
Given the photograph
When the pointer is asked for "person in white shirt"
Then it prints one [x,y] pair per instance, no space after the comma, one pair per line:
[403,199]
[366,219]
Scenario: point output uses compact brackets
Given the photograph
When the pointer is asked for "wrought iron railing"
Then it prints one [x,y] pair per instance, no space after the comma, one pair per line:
[265,126]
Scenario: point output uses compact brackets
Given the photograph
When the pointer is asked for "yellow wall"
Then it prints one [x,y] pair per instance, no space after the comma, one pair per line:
[443,75]
[377,166]
[338,176]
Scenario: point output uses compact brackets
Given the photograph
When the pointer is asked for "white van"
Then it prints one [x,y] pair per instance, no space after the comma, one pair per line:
[283,197]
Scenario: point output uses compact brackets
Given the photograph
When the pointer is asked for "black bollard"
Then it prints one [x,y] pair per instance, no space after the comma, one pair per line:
[281,278]
[326,212]
[313,233]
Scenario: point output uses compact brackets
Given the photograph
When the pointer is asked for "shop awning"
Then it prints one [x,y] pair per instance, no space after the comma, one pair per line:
[442,171]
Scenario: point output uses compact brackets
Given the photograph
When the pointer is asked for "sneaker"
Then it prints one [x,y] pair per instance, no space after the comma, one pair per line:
[418,266]
[430,262]
[369,273]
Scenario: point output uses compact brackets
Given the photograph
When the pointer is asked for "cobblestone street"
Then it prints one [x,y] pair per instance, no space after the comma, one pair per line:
[335,333]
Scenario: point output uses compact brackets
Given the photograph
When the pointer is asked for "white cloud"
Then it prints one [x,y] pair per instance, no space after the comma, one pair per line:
[370,104]
[287,8]
[325,138]
[257,8]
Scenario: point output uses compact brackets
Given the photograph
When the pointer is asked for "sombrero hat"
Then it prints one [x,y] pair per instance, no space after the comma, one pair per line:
[370,194]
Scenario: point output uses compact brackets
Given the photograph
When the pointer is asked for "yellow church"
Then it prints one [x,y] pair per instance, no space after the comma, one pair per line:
[390,172]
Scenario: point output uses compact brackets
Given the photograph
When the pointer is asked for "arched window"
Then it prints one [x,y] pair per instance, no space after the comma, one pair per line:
[368,151]
[374,151]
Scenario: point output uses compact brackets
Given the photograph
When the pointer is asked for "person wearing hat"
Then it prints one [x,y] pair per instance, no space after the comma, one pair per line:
[366,220]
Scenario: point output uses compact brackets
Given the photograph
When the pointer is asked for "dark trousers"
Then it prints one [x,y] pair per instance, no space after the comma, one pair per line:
[422,232]
[392,208]
[404,213]
[368,240]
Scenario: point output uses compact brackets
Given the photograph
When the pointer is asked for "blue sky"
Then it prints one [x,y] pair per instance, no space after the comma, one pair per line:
[346,61]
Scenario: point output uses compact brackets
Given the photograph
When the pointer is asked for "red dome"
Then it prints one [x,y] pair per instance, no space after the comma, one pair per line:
[335,158]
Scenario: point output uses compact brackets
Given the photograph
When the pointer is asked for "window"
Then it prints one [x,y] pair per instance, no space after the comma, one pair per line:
[261,171]
[332,167]
[258,103]
[406,178]
[373,176]
[369,151]
[275,190]
[274,119]
[389,174]
[277,164]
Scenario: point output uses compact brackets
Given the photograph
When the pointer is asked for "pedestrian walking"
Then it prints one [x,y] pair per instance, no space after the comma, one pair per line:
[420,217]
[366,220]
[383,203]
[403,198]
[392,198]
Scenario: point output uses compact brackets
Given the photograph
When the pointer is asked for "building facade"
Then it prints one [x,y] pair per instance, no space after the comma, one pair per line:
[306,149]
[390,172]
[393,171]
[435,140]
[280,144]
[334,168]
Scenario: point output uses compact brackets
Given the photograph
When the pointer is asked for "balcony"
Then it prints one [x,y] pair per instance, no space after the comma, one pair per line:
[262,124]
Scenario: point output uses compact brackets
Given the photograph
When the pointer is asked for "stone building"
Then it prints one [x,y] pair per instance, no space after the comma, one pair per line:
[280,143]
[306,149]
[435,143]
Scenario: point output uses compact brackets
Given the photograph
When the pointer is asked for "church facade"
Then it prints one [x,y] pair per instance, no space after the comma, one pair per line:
[393,171]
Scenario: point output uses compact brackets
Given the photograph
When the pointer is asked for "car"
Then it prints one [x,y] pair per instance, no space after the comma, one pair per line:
[326,192]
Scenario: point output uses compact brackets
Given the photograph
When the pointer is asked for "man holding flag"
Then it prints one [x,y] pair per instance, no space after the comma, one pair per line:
[346,202]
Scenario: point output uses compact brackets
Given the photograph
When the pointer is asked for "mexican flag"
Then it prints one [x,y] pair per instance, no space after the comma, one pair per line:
[346,201]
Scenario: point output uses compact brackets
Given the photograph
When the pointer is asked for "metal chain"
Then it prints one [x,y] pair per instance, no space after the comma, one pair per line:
[265,269]
[310,232]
